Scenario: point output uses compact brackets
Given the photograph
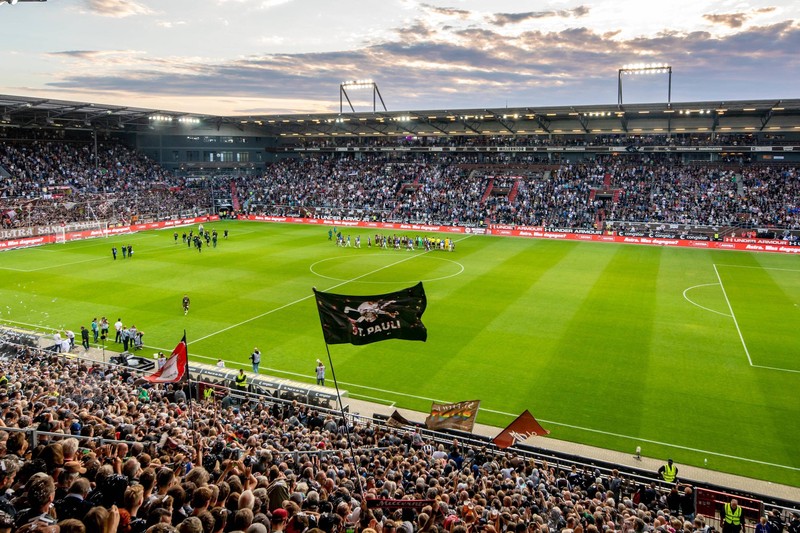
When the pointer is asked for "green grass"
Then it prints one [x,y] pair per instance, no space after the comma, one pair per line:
[616,346]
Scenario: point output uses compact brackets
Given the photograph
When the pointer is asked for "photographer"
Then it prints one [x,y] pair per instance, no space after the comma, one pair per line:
[255,358]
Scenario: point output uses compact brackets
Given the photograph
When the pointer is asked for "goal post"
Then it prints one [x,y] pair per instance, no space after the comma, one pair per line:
[61,235]
[100,229]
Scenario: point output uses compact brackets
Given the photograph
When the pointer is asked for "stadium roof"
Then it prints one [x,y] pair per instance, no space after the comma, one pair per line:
[659,118]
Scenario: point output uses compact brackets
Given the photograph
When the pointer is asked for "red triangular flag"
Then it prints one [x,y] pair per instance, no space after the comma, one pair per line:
[175,368]
[520,429]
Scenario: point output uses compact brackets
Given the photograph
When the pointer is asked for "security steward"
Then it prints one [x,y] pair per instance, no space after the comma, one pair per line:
[733,520]
[668,472]
[241,381]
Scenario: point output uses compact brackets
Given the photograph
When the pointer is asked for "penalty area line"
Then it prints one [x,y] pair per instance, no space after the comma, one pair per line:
[733,316]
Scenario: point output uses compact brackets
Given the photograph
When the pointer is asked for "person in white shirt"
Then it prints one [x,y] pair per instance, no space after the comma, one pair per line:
[118,327]
[70,337]
[220,363]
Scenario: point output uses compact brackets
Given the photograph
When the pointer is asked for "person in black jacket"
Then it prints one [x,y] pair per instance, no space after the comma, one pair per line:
[74,504]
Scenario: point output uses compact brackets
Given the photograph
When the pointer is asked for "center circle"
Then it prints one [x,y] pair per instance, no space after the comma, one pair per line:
[363,263]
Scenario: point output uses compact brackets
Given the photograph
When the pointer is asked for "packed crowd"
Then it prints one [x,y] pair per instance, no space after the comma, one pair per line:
[445,193]
[52,182]
[260,467]
[680,139]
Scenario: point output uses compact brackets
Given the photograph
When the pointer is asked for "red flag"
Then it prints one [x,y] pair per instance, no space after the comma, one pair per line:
[176,367]
[397,420]
[520,429]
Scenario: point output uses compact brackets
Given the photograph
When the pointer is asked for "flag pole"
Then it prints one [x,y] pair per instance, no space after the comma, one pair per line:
[344,419]
[191,404]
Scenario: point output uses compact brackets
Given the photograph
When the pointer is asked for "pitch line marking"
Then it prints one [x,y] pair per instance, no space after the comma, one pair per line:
[697,304]
[304,298]
[760,267]
[736,323]
[776,368]
[90,260]
[579,428]
[733,316]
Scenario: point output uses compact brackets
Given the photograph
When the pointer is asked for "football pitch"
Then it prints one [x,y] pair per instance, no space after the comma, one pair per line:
[690,354]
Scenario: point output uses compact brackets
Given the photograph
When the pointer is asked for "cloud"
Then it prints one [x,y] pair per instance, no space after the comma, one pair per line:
[447,11]
[97,55]
[166,24]
[116,8]
[503,19]
[735,20]
[732,20]
[456,68]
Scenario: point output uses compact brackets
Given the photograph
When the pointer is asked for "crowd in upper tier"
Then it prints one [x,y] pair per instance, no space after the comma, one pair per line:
[48,182]
[53,182]
[259,466]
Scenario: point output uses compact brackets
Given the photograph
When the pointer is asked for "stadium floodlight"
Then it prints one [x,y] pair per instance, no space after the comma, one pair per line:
[359,85]
[14,2]
[645,68]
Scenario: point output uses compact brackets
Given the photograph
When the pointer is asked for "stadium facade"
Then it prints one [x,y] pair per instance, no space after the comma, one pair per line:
[754,131]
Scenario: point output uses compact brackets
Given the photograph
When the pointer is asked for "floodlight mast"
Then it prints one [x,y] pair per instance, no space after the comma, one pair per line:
[359,85]
[645,68]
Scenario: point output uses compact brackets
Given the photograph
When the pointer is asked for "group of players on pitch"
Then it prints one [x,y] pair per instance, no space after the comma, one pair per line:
[190,239]
[396,242]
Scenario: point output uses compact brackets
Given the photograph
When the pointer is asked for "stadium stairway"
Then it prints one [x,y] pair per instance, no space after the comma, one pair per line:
[235,197]
[488,191]
[514,191]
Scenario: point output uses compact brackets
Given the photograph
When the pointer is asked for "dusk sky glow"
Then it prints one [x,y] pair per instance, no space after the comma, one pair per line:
[239,57]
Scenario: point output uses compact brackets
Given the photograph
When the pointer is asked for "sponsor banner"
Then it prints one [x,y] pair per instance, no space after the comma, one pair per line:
[664,235]
[502,226]
[23,243]
[94,233]
[577,230]
[24,237]
[744,240]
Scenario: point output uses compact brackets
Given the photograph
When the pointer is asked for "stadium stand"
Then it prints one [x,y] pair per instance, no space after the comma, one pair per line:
[277,458]
[96,440]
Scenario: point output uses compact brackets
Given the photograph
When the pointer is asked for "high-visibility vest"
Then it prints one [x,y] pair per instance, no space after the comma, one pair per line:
[670,471]
[207,393]
[241,380]
[732,516]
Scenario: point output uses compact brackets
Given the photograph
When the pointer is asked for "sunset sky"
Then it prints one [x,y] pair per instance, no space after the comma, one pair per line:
[235,57]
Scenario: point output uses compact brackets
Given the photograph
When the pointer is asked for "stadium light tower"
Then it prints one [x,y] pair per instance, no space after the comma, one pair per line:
[645,68]
[359,85]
